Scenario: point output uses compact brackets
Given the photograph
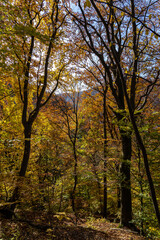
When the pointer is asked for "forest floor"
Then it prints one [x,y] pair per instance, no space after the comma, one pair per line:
[62,227]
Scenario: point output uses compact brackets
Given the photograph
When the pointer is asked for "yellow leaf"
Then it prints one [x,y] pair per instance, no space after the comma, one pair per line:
[122,14]
[130,44]
[87,4]
[49,230]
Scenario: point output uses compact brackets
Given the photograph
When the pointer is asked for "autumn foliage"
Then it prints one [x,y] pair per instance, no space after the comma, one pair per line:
[79,111]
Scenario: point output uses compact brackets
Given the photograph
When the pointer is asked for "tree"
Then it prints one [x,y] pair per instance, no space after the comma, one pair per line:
[93,147]
[130,103]
[120,35]
[37,26]
[95,77]
[69,112]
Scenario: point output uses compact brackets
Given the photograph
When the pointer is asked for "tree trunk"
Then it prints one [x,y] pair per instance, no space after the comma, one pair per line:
[125,184]
[124,170]
[99,189]
[139,139]
[146,163]
[8,211]
[118,188]
[27,148]
[75,179]
[105,155]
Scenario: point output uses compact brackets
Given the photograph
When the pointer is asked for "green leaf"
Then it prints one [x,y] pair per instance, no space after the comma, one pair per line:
[22,30]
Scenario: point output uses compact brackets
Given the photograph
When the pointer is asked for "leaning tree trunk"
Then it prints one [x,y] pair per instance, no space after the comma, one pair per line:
[8,211]
[27,148]
[145,159]
[24,164]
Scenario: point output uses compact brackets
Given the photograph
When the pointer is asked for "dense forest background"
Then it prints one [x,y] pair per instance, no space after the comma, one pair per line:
[80,110]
